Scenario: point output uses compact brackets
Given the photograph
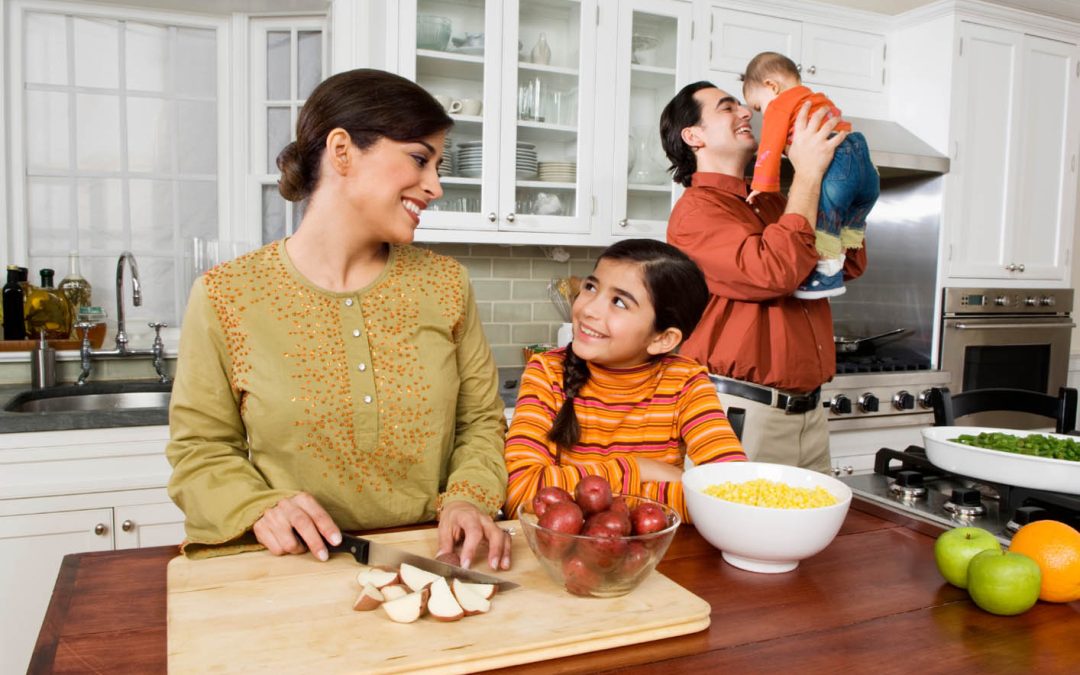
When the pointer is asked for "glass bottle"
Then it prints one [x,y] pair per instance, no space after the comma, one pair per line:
[47,310]
[75,287]
[541,52]
[14,326]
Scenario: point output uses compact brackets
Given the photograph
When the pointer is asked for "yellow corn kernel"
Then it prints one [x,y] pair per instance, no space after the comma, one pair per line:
[772,494]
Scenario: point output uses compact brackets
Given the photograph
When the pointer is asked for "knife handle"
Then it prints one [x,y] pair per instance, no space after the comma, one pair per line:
[357,547]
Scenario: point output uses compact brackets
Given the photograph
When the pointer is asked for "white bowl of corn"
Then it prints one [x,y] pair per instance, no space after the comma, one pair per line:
[765,517]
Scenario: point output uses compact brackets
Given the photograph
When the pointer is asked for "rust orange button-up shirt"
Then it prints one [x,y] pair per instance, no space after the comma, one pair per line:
[753,258]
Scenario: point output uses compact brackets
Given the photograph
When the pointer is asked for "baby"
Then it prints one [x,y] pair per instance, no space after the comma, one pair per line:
[772,86]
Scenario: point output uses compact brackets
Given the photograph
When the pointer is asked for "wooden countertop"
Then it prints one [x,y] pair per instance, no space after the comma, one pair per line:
[871,602]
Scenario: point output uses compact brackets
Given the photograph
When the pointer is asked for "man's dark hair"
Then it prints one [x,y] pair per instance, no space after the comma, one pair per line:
[682,111]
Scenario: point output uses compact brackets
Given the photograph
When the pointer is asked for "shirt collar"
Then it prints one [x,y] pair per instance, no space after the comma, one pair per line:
[720,181]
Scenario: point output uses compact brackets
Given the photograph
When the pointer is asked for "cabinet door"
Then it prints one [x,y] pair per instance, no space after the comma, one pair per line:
[843,58]
[986,109]
[736,37]
[652,63]
[31,549]
[148,525]
[1047,161]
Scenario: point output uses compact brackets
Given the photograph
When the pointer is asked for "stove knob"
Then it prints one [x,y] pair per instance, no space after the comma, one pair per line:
[1029,514]
[966,497]
[903,400]
[908,478]
[868,403]
[926,398]
[1001,301]
[1031,301]
[1047,301]
[840,405]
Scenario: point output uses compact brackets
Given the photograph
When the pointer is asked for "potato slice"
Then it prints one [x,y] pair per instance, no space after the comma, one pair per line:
[369,599]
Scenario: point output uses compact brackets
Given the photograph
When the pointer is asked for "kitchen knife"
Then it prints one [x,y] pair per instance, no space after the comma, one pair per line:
[367,552]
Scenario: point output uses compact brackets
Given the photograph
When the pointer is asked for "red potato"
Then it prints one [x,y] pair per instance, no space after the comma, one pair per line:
[647,518]
[564,518]
[450,558]
[593,494]
[636,558]
[369,599]
[605,550]
[619,505]
[443,605]
[608,520]
[580,579]
[548,495]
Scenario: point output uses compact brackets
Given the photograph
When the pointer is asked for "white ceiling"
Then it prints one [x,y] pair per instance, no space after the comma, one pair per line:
[1066,9]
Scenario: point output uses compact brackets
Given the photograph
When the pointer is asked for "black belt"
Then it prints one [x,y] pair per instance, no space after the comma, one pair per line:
[791,404]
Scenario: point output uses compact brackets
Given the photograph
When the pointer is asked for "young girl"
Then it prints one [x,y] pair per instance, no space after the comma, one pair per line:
[616,402]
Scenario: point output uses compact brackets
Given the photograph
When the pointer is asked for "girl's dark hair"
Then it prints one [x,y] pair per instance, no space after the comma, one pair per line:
[682,111]
[678,293]
[369,105]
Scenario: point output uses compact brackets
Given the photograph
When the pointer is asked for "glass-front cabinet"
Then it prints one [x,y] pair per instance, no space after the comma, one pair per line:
[511,74]
[652,51]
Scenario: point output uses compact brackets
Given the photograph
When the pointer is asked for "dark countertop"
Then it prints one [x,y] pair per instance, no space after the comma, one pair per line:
[21,422]
[872,601]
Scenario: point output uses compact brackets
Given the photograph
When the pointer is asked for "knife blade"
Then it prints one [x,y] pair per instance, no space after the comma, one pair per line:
[367,552]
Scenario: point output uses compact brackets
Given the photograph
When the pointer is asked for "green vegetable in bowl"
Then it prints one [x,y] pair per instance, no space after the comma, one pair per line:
[1036,445]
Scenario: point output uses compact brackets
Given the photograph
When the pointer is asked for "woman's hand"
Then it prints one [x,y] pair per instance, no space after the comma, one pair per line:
[278,527]
[655,471]
[463,521]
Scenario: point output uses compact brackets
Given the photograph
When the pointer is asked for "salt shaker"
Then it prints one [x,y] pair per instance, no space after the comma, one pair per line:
[541,53]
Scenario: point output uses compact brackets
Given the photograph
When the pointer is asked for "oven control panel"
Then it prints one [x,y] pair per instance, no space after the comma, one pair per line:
[1057,301]
[898,395]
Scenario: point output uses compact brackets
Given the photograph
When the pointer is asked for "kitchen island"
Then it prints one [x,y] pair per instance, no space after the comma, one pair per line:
[872,601]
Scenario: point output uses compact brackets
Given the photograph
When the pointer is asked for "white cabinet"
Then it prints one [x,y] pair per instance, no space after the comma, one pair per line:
[1012,206]
[826,55]
[523,161]
[652,61]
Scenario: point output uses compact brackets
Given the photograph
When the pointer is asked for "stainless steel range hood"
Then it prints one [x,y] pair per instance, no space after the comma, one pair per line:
[894,149]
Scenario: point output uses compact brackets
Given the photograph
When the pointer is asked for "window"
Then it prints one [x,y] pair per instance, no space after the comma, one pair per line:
[115,146]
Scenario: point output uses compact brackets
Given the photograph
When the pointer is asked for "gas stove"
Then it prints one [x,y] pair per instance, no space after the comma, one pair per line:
[907,483]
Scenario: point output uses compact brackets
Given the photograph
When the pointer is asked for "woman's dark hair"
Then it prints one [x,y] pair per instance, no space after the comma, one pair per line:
[682,111]
[678,293]
[369,105]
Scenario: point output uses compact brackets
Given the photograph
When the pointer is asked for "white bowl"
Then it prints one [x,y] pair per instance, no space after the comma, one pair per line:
[757,538]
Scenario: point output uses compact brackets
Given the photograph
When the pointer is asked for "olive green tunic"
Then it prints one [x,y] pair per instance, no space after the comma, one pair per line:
[381,403]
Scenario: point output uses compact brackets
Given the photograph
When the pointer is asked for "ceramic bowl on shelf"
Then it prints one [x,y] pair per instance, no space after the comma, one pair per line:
[643,49]
[432,32]
[759,538]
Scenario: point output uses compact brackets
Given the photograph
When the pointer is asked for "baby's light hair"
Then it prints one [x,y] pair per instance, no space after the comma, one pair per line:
[769,64]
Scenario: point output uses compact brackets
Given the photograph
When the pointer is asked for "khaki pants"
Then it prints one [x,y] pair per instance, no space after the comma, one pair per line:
[771,435]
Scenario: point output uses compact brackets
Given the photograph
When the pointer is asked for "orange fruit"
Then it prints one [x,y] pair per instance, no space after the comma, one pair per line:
[1056,548]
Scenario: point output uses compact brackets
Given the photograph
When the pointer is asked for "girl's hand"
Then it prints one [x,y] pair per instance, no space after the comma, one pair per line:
[655,471]
[279,526]
[463,521]
[752,196]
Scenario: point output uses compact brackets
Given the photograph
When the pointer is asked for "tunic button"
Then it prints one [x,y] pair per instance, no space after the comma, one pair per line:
[362,367]
[367,399]
[356,332]
[348,302]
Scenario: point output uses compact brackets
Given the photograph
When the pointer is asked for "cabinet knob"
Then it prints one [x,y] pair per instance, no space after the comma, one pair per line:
[493,216]
[798,67]
[127,525]
[812,69]
[1010,267]
[848,469]
[624,222]
[510,217]
[1020,267]
[836,471]
[100,529]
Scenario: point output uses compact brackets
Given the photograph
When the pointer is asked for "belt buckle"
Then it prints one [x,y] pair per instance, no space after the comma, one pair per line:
[796,405]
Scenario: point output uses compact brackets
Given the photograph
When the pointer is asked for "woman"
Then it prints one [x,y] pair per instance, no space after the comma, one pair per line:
[340,378]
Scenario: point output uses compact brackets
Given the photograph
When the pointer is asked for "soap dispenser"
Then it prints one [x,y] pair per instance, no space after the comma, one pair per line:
[42,365]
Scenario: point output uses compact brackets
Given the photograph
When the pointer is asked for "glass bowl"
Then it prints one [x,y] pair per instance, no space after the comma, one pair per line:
[432,32]
[599,567]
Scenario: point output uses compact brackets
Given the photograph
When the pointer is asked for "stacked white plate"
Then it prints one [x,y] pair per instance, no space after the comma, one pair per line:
[558,172]
[448,166]
[526,160]
[470,159]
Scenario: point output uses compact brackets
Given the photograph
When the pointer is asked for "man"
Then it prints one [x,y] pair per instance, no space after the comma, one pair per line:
[769,351]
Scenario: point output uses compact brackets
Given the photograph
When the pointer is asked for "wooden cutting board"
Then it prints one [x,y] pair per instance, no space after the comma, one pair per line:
[258,612]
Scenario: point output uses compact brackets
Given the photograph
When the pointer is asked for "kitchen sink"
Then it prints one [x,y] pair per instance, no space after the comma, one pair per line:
[93,397]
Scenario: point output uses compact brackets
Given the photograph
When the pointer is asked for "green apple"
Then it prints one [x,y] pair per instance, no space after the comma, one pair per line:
[954,549]
[1002,582]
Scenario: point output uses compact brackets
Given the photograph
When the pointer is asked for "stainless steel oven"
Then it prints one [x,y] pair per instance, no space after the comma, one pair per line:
[996,337]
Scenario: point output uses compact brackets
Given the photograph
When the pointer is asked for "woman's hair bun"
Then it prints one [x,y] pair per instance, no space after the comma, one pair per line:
[292,185]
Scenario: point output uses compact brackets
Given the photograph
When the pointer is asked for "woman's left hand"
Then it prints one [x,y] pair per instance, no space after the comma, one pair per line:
[463,521]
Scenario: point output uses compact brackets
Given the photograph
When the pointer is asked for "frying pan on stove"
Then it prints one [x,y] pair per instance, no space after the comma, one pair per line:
[848,345]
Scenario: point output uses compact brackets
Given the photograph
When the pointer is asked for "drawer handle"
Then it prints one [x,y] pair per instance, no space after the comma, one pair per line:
[812,70]
[100,529]
[127,526]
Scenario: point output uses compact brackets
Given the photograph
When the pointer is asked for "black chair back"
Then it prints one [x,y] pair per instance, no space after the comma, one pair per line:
[1060,408]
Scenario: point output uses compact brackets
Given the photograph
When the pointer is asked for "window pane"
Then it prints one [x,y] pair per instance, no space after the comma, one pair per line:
[278,135]
[198,209]
[48,214]
[278,58]
[197,137]
[150,135]
[273,214]
[196,64]
[146,52]
[309,62]
[47,145]
[97,132]
[45,49]
[101,221]
[151,210]
[97,52]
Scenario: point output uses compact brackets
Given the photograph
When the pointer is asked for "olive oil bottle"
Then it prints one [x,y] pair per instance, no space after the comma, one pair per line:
[75,288]
[47,310]
[14,323]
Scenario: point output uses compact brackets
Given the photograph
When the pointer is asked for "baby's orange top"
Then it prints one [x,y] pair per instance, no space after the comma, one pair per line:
[776,132]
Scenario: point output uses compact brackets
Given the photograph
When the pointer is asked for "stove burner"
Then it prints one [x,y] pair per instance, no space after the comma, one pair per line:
[965,503]
[1024,515]
[908,486]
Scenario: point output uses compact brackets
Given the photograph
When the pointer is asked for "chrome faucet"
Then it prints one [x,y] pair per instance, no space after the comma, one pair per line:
[157,351]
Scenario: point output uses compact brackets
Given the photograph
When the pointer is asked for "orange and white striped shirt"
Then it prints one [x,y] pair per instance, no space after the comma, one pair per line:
[663,410]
